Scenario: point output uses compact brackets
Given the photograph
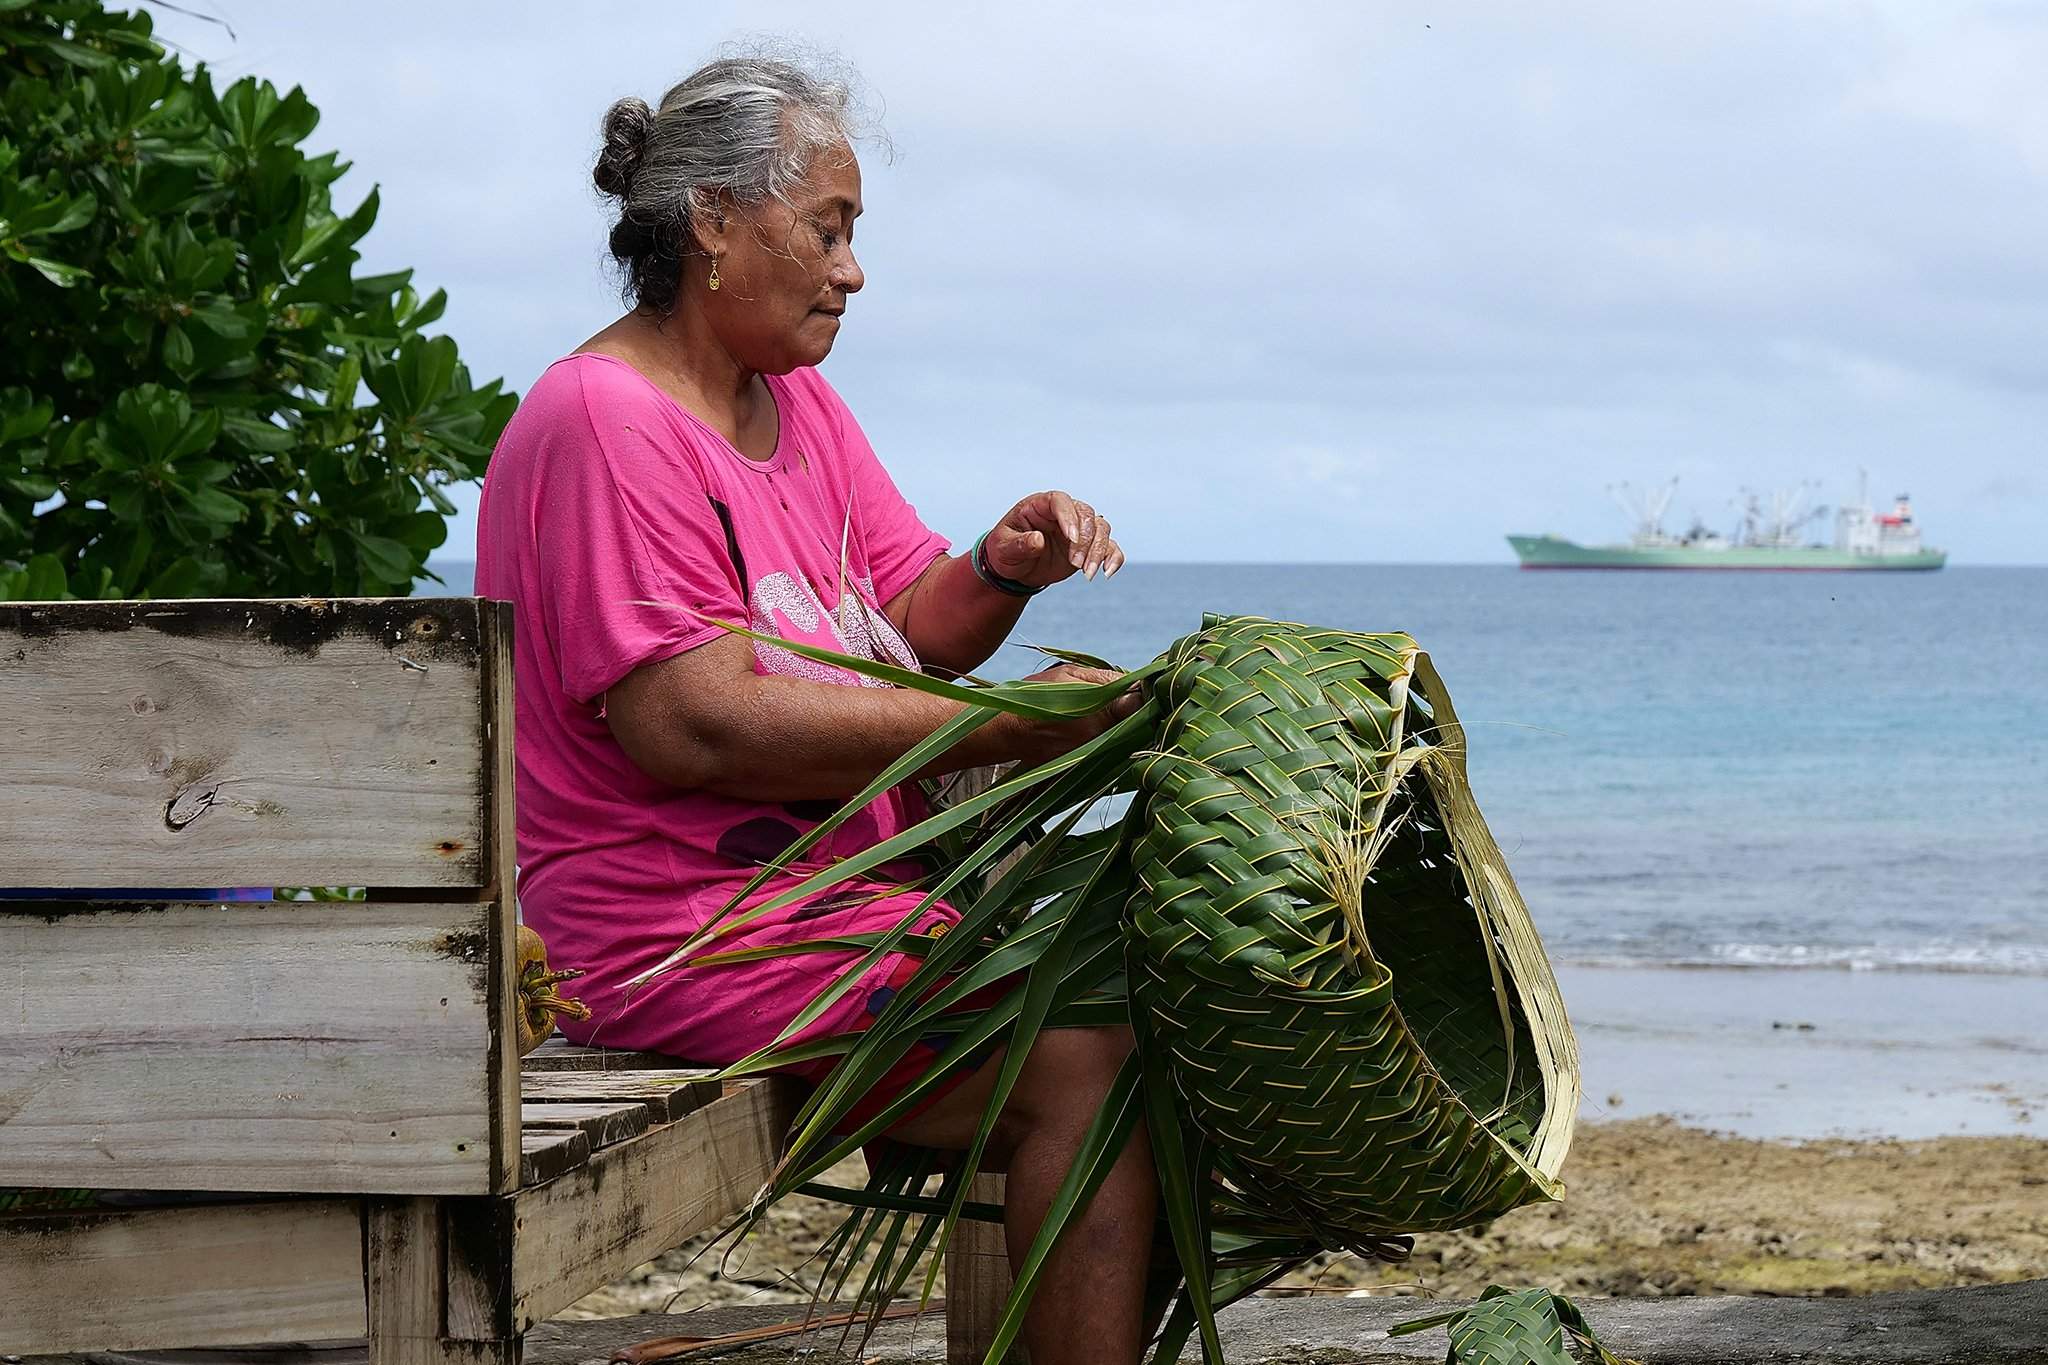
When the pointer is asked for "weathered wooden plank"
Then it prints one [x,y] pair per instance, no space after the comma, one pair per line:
[668,1095]
[405,1243]
[603,1124]
[501,879]
[271,1272]
[977,1280]
[627,1204]
[559,1054]
[335,1047]
[545,1153]
[206,744]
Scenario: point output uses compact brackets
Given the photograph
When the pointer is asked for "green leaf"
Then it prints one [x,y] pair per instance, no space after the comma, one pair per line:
[251,434]
[1179,1155]
[34,489]
[1515,1327]
[78,54]
[180,578]
[126,502]
[384,559]
[221,319]
[45,581]
[375,288]
[58,273]
[178,353]
[414,381]
[337,234]
[215,507]
[1041,701]
[291,121]
[421,532]
[22,415]
[428,311]
[76,214]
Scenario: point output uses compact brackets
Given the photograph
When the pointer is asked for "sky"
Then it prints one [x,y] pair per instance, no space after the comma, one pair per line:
[1366,280]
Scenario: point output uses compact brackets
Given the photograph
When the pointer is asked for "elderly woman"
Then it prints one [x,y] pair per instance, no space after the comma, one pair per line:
[686,466]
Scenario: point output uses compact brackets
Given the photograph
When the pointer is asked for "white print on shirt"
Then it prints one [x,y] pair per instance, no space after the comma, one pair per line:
[854,626]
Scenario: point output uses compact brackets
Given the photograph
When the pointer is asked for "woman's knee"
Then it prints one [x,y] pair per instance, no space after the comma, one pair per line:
[1066,1077]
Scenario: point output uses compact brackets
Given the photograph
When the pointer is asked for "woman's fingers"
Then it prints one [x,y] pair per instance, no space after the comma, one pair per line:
[1050,738]
[1065,532]
[1051,510]
[1081,547]
[1100,548]
[1129,700]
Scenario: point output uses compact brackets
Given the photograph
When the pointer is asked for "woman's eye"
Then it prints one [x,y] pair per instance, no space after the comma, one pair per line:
[829,238]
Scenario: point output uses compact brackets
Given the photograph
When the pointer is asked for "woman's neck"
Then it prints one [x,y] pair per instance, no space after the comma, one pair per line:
[684,357]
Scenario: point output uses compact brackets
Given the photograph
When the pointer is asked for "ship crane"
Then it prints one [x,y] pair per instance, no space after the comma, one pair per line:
[1781,526]
[1646,507]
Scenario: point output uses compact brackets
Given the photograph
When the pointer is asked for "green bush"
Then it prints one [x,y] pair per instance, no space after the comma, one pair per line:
[184,345]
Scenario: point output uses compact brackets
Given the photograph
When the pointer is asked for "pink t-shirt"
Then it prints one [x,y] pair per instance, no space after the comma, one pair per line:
[604,496]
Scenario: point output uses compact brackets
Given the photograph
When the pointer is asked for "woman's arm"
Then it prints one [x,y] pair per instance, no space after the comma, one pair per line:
[955,620]
[705,720]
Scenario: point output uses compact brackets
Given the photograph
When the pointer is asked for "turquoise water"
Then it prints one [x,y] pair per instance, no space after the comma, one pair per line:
[1841,775]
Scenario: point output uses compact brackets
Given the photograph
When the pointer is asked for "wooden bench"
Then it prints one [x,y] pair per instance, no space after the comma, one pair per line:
[328,1090]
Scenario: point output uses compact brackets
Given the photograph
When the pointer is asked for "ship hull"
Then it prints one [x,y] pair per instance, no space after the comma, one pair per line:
[1552,552]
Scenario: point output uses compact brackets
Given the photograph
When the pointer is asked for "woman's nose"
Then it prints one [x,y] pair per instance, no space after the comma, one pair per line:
[847,274]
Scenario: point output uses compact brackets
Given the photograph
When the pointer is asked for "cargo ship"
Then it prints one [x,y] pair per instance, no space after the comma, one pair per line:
[1770,537]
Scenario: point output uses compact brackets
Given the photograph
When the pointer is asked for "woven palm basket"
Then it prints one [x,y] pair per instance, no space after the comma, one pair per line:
[1326,943]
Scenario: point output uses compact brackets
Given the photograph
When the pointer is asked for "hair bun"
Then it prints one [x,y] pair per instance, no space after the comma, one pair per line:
[626,126]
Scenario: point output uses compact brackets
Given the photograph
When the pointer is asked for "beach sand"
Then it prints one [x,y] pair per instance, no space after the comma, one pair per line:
[1652,1208]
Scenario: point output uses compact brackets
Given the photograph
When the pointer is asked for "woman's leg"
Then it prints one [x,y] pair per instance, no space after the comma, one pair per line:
[1090,1297]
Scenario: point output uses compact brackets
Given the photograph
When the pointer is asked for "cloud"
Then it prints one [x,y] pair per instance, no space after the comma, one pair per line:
[1312,280]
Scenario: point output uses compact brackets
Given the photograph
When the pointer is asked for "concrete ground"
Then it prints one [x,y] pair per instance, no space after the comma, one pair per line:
[1989,1325]
[1986,1325]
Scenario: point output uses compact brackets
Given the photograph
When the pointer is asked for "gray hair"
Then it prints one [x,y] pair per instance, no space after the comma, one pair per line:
[743,126]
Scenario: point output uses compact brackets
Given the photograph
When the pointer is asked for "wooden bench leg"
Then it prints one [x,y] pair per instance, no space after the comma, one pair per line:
[977,1281]
[407,1269]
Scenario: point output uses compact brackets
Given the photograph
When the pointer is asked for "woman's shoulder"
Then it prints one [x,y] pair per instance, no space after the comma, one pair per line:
[589,389]
[596,406]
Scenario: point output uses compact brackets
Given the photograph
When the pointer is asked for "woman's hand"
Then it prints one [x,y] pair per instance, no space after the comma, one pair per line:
[1051,536]
[1035,741]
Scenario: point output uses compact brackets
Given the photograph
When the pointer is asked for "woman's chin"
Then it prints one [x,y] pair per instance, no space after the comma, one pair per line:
[811,350]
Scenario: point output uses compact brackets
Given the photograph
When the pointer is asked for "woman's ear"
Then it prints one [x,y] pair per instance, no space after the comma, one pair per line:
[711,224]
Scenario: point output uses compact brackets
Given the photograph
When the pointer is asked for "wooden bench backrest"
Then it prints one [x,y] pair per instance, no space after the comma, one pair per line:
[317,1046]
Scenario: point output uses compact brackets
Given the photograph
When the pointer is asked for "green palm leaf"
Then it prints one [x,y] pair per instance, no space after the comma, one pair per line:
[1516,1327]
[1348,1028]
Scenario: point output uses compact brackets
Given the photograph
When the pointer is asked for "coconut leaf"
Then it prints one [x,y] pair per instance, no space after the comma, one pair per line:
[1347,1028]
[1516,1327]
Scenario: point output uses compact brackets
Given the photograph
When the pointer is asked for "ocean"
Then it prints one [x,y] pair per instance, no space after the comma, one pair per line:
[1786,835]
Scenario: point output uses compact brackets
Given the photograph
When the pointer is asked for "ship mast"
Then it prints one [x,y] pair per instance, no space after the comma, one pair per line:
[1646,507]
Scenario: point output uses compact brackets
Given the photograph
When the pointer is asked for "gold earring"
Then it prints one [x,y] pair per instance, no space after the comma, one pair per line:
[713,281]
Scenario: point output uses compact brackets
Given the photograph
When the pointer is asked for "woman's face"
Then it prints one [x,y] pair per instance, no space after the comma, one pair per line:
[785,269]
